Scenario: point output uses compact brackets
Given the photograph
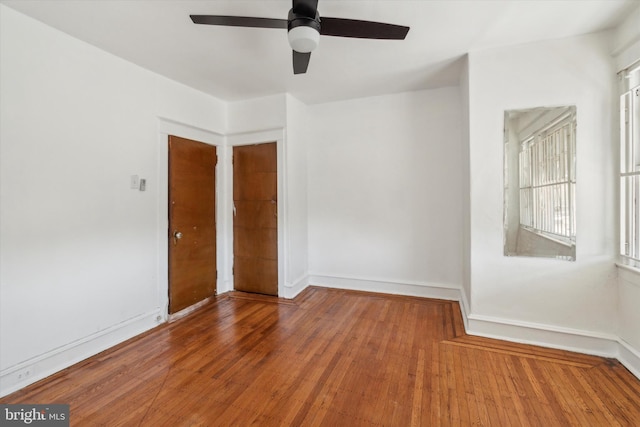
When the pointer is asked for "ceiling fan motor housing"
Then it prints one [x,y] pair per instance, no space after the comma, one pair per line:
[303,32]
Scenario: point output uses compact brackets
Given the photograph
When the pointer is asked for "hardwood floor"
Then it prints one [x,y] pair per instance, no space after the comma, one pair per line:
[336,358]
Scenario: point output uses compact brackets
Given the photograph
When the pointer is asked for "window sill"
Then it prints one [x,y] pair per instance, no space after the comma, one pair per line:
[548,237]
[629,268]
[628,274]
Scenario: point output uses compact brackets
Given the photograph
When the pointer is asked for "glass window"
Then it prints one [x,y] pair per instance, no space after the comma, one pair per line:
[630,166]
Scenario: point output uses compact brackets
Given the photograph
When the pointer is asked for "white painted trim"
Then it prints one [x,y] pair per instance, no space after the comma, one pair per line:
[184,130]
[588,342]
[260,137]
[224,212]
[629,357]
[168,127]
[628,268]
[581,341]
[465,308]
[418,289]
[62,357]
[257,137]
[283,213]
[292,289]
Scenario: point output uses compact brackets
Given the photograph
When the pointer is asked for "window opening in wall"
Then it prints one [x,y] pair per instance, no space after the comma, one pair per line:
[630,165]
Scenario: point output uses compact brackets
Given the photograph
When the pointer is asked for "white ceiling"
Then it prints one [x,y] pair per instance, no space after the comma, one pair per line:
[234,63]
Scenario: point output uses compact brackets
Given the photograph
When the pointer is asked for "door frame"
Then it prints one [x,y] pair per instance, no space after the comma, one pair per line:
[253,138]
[168,127]
[224,202]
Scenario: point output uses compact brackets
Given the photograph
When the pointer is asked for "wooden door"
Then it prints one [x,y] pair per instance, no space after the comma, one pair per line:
[255,223]
[192,224]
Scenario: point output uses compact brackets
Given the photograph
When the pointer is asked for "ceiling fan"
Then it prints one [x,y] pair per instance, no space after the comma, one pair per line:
[304,26]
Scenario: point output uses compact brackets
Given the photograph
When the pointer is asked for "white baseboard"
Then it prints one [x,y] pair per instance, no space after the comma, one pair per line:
[291,290]
[416,289]
[588,342]
[465,308]
[18,376]
[629,357]
[224,287]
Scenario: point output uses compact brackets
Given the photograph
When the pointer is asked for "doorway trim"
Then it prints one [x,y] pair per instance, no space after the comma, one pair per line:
[168,127]
[276,135]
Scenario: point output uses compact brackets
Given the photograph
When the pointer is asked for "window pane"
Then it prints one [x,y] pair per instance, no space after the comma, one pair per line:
[630,221]
[547,180]
[630,173]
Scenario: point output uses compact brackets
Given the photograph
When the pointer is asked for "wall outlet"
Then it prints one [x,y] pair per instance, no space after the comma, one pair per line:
[143,184]
[24,374]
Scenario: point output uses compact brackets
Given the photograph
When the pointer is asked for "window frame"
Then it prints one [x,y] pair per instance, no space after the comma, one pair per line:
[629,173]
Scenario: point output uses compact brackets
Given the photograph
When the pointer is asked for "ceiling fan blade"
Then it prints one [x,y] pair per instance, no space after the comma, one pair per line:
[300,62]
[239,21]
[341,27]
[306,8]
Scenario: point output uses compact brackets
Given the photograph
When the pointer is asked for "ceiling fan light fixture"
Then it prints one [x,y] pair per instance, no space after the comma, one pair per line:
[304,28]
[303,39]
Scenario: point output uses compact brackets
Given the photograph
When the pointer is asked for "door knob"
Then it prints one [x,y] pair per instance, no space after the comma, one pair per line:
[176,236]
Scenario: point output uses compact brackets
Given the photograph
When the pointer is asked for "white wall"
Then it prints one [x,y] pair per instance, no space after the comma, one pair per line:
[629,303]
[549,294]
[79,249]
[297,214]
[258,114]
[626,41]
[385,192]
[466,189]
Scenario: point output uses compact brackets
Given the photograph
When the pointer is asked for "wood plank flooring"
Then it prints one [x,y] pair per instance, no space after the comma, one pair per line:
[336,358]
